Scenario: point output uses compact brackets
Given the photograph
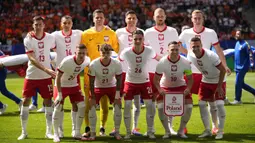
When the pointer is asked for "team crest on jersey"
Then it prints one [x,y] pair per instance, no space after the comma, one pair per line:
[106,38]
[161,37]
[41,45]
[105,71]
[200,63]
[198,36]
[67,39]
[130,38]
[173,67]
[77,69]
[174,99]
[138,59]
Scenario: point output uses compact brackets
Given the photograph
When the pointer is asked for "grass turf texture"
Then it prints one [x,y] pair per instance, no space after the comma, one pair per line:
[239,126]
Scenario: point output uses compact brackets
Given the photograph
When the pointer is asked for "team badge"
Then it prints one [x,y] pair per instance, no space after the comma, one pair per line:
[130,38]
[105,71]
[40,45]
[200,63]
[77,69]
[106,38]
[161,37]
[67,39]
[173,67]
[174,99]
[138,59]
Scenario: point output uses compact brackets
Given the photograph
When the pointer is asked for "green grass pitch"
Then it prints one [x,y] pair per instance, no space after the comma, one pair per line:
[239,126]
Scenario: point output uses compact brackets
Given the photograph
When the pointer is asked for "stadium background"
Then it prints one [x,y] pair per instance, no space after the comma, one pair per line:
[224,16]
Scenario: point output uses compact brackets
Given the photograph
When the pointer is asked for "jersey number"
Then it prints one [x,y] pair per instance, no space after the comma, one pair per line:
[161,50]
[138,70]
[149,90]
[68,52]
[105,80]
[71,77]
[41,58]
[173,78]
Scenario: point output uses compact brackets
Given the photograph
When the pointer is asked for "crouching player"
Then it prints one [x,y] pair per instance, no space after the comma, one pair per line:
[66,85]
[173,67]
[105,79]
[213,85]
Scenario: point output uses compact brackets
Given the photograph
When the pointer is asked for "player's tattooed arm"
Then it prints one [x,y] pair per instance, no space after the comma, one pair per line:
[189,85]
[220,53]
[92,85]
[222,70]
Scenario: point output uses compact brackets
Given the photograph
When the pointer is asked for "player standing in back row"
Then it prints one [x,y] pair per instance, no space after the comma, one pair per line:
[38,75]
[158,37]
[208,38]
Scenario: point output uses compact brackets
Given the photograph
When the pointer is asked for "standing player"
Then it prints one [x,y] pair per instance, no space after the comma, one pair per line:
[209,38]
[105,79]
[243,58]
[66,41]
[158,37]
[137,80]
[38,75]
[66,44]
[213,86]
[173,67]
[67,85]
[93,38]
[125,39]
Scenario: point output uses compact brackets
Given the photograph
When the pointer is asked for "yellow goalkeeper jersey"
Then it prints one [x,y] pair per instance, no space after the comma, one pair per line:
[93,40]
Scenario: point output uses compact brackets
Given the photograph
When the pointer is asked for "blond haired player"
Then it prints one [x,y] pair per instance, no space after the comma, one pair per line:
[67,85]
[93,38]
[208,38]
[213,85]
[38,75]
[158,37]
[105,79]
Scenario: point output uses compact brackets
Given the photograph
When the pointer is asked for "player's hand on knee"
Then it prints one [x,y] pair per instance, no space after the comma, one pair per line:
[117,101]
[58,99]
[92,102]
[186,92]
[162,92]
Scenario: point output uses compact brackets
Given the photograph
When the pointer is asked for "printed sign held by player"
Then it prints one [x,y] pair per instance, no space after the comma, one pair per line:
[173,104]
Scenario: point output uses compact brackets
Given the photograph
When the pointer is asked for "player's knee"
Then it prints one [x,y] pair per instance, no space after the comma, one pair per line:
[92,112]
[26,101]
[160,105]
[47,102]
[202,103]
[58,108]
[81,105]
[117,110]
[220,102]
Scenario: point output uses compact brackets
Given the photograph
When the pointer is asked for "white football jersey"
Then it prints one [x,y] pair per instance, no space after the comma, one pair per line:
[71,70]
[66,44]
[207,65]
[125,39]
[105,74]
[137,64]
[41,49]
[159,41]
[208,38]
[173,71]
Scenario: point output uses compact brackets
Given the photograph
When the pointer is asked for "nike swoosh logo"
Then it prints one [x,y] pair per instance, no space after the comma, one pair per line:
[90,39]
